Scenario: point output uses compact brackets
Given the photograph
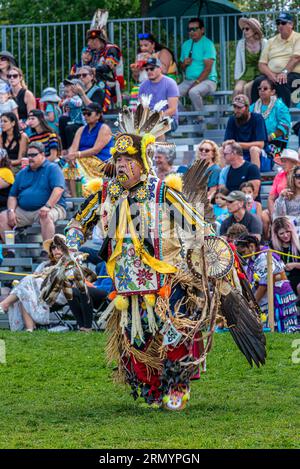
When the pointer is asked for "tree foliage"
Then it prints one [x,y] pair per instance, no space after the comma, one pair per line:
[266,5]
[35,11]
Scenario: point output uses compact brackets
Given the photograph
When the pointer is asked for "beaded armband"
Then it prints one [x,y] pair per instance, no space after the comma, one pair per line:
[74,238]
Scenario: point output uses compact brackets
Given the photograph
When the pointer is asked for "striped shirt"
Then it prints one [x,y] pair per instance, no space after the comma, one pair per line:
[49,139]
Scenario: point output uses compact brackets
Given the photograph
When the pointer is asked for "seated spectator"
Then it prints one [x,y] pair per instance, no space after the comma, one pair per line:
[276,115]
[149,47]
[6,178]
[24,98]
[238,170]
[91,143]
[24,307]
[88,90]
[220,209]
[287,160]
[41,132]
[248,129]
[163,160]
[36,195]
[86,59]
[285,240]
[236,203]
[288,203]
[72,118]
[247,55]
[280,60]
[12,140]
[209,151]
[234,232]
[50,102]
[161,88]
[286,316]
[7,61]
[83,307]
[198,63]
[252,205]
[7,104]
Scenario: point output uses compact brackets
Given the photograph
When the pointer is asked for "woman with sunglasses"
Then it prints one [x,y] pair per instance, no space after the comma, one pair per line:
[12,140]
[209,151]
[21,94]
[247,55]
[288,203]
[7,61]
[91,145]
[90,92]
[276,115]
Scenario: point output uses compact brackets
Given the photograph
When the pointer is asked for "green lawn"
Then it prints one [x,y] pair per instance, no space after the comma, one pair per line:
[57,391]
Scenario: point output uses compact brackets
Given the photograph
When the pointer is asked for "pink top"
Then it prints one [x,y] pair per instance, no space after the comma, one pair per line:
[279,183]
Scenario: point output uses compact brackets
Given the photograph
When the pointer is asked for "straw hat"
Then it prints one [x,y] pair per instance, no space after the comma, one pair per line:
[253,23]
[287,154]
[48,242]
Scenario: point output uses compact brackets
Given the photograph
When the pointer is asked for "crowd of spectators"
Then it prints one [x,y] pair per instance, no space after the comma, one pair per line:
[48,144]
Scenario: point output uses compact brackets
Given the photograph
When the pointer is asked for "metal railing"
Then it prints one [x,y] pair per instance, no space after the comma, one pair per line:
[46,52]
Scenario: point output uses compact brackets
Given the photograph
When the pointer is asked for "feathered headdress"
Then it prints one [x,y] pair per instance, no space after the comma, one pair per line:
[98,26]
[139,131]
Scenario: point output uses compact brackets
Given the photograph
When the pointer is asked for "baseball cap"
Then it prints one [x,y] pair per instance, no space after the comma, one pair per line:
[284,16]
[93,107]
[236,195]
[153,62]
[241,100]
[73,81]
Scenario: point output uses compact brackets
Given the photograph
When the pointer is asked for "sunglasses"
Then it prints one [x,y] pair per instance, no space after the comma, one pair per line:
[246,29]
[206,150]
[192,30]
[83,75]
[13,75]
[149,69]
[87,113]
[297,176]
[264,88]
[283,23]
[4,59]
[144,35]
[32,155]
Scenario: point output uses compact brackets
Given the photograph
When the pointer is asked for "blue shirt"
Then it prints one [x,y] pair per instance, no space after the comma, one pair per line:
[199,51]
[33,188]
[253,130]
[160,91]
[88,139]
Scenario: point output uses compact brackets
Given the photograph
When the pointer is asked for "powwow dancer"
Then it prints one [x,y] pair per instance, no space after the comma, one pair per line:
[172,275]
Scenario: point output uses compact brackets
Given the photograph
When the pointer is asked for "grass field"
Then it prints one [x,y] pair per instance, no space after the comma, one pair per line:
[56,391]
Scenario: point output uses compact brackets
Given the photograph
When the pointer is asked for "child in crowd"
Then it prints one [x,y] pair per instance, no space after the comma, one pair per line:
[72,117]
[86,58]
[252,206]
[7,104]
[50,102]
[220,207]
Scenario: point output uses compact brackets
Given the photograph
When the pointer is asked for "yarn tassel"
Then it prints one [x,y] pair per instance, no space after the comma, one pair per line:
[150,303]
[136,326]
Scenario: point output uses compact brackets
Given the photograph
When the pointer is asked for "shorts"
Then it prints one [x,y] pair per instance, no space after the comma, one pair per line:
[25,218]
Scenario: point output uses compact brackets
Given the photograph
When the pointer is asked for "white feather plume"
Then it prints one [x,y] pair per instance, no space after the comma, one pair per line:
[160,105]
[99,20]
